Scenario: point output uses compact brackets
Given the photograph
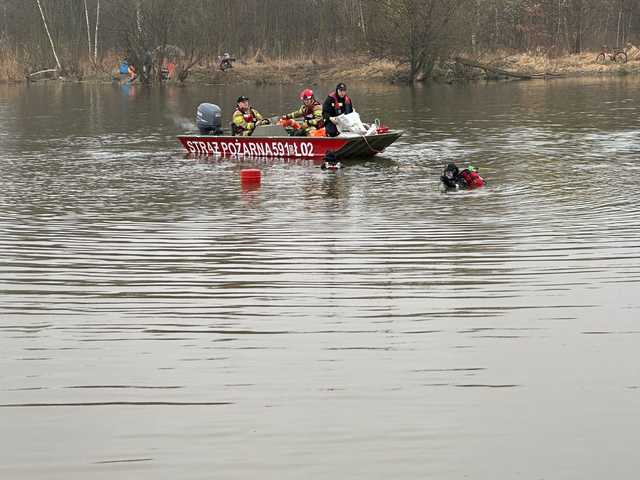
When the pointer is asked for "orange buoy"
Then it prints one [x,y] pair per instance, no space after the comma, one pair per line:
[250,175]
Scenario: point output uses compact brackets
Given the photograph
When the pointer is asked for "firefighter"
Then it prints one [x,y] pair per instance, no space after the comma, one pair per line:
[310,112]
[336,104]
[245,118]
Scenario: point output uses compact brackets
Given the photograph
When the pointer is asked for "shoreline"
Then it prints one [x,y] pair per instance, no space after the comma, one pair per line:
[258,71]
[384,71]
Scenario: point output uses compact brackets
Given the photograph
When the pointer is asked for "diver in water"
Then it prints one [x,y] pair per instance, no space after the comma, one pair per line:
[330,161]
[454,179]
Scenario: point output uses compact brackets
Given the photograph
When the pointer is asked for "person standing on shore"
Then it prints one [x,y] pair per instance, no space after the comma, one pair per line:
[245,118]
[310,112]
[336,104]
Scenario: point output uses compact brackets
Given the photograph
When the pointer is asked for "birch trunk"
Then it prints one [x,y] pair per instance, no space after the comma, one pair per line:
[86,16]
[49,35]
[95,37]
[618,30]
[363,26]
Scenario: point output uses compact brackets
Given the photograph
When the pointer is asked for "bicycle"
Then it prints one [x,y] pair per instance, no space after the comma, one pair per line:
[618,55]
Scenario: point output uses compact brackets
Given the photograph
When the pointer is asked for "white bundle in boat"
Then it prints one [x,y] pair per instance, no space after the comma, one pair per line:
[350,123]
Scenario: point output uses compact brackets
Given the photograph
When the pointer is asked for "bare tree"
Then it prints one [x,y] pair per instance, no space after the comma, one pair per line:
[95,36]
[53,48]
[418,33]
[86,14]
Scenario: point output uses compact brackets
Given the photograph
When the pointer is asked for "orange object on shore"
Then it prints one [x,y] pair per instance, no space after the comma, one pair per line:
[171,69]
[132,73]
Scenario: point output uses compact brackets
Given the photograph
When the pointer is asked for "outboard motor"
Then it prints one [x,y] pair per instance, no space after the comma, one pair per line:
[209,119]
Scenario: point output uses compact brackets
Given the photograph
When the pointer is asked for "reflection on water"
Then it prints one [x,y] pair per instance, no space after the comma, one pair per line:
[355,324]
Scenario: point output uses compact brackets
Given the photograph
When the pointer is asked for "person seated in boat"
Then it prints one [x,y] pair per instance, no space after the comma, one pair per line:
[336,103]
[246,118]
[454,179]
[310,112]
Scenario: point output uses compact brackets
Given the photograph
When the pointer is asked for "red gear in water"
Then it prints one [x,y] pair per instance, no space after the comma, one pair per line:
[472,179]
[306,94]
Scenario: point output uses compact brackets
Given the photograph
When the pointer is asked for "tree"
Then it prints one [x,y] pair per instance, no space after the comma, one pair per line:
[420,31]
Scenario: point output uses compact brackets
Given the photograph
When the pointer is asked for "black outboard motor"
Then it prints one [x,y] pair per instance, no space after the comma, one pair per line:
[209,119]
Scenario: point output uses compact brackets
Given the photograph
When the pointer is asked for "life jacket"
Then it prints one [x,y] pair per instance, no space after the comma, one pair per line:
[337,104]
[472,179]
[308,113]
[249,117]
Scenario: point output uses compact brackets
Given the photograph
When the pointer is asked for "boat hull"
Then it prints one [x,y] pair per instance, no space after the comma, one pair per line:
[288,147]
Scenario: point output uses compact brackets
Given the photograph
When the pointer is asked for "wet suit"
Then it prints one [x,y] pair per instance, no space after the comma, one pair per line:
[453,179]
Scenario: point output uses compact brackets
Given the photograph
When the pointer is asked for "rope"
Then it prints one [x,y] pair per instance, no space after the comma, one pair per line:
[369,145]
[377,123]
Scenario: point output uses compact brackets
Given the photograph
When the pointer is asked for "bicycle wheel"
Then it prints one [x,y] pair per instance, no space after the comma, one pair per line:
[601,58]
[620,57]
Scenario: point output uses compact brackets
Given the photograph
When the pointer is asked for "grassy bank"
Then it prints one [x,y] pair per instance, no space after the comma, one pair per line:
[259,70]
[265,71]
[583,64]
[310,70]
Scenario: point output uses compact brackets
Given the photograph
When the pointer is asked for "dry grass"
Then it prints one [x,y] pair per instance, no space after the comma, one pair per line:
[569,65]
[10,70]
[259,68]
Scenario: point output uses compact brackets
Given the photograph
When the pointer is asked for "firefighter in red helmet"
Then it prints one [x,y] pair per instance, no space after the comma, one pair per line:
[310,112]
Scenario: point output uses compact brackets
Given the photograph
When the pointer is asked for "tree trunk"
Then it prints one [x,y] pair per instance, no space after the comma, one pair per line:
[86,16]
[489,68]
[49,35]
[139,18]
[618,30]
[364,28]
[95,37]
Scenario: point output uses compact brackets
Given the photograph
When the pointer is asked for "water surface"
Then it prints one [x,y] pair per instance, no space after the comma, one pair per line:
[157,320]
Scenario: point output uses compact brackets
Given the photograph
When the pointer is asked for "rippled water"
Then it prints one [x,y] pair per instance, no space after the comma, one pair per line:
[157,320]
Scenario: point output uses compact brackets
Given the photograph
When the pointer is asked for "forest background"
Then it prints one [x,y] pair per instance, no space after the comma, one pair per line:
[295,39]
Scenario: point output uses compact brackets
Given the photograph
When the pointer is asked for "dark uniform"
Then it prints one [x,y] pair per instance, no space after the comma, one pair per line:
[333,106]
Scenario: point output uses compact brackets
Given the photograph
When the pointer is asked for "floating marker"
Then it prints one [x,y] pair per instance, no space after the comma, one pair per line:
[250,175]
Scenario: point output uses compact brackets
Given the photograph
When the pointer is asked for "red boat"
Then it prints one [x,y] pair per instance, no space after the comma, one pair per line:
[259,145]
[275,141]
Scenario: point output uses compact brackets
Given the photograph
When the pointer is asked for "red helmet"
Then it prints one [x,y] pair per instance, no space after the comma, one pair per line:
[306,94]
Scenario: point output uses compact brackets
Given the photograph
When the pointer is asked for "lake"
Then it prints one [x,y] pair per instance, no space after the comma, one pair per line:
[158,320]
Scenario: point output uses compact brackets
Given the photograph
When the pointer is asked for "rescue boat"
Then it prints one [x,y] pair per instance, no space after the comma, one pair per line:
[275,141]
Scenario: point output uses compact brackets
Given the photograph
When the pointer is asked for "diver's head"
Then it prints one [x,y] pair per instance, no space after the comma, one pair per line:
[330,157]
[451,171]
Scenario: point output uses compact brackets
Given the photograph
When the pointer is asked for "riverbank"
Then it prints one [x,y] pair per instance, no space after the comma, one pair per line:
[311,70]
